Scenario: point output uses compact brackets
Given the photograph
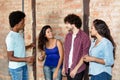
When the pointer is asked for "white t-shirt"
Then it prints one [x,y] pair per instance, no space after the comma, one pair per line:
[15,43]
[71,51]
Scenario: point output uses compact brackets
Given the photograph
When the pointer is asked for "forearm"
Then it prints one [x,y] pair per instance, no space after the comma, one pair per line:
[32,45]
[16,59]
[60,48]
[98,60]
[64,63]
[59,63]
[79,64]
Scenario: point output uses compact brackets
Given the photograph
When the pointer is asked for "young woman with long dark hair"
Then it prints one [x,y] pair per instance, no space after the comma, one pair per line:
[52,50]
[101,53]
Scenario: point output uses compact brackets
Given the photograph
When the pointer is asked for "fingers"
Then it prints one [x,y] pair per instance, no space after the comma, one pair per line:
[63,72]
[85,58]
[30,59]
[41,58]
[55,74]
[72,75]
[32,45]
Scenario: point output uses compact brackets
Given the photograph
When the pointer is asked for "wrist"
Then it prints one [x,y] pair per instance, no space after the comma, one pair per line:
[75,68]
[25,59]
[57,69]
[93,59]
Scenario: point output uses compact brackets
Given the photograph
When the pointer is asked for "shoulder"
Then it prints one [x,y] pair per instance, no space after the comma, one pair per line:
[69,34]
[84,36]
[9,37]
[106,41]
[59,43]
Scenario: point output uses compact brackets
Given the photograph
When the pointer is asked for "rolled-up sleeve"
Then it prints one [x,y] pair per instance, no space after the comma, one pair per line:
[108,58]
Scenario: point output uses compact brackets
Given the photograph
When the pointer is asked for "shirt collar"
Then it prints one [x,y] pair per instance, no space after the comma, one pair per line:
[79,32]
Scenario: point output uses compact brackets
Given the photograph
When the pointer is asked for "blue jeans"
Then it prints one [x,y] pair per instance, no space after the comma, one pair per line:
[48,73]
[20,73]
[101,76]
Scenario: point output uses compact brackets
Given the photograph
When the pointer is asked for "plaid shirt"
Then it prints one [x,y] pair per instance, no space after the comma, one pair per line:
[80,48]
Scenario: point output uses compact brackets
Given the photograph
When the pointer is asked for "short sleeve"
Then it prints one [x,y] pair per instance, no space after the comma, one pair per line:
[9,44]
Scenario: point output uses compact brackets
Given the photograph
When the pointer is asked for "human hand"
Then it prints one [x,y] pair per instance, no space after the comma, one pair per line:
[87,58]
[73,73]
[41,58]
[55,74]
[63,72]
[32,45]
[29,59]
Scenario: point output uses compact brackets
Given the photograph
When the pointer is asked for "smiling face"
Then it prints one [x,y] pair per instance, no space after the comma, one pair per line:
[48,33]
[69,27]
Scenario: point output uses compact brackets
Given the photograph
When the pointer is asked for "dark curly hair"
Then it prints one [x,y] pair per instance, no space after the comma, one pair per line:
[42,39]
[73,19]
[104,31]
[15,17]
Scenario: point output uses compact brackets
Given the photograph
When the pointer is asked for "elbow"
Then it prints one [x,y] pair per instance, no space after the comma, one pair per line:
[112,63]
[61,57]
[10,58]
[109,63]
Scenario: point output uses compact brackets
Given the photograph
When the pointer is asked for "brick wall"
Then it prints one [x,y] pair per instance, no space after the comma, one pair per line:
[52,12]
[6,6]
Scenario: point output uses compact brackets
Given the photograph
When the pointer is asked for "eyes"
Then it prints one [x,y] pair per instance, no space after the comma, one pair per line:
[48,31]
[92,28]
